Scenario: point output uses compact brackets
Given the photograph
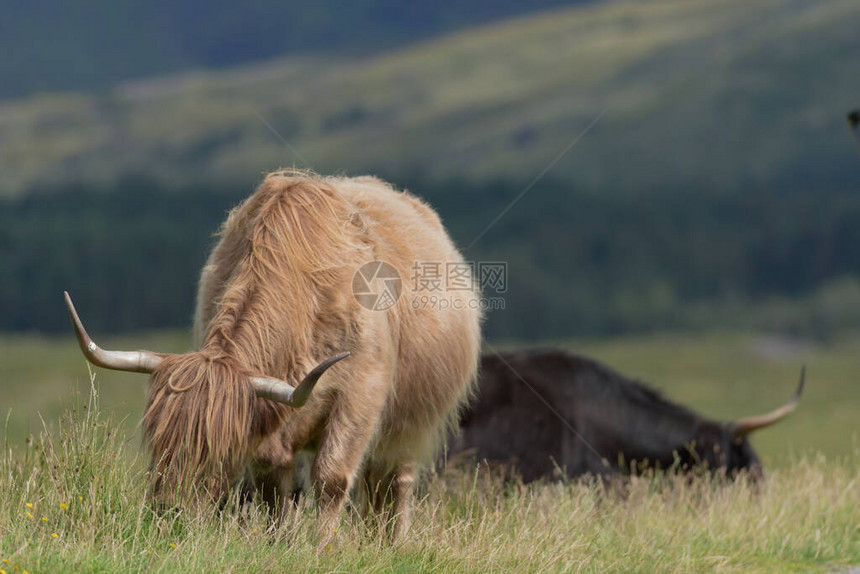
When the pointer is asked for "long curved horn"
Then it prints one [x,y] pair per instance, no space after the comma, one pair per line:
[745,426]
[133,361]
[283,392]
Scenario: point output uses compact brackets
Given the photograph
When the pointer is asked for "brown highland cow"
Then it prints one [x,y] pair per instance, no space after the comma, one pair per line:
[275,301]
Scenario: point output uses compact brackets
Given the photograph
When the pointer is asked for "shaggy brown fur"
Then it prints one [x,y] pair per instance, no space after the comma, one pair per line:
[275,299]
[199,420]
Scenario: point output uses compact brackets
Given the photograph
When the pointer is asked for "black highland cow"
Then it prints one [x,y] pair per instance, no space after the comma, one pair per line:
[543,412]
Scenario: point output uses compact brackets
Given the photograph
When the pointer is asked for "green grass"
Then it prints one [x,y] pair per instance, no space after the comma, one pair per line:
[74,501]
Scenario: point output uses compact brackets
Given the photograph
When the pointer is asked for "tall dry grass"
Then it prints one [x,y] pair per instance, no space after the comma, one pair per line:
[74,500]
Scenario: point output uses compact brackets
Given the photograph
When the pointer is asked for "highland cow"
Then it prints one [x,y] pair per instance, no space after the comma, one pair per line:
[547,413]
[275,301]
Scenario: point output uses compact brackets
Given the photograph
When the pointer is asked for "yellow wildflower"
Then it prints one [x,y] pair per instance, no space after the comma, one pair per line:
[2,572]
[64,506]
[44,519]
[30,516]
[329,547]
[29,505]
[172,545]
[80,499]
[5,561]
[54,535]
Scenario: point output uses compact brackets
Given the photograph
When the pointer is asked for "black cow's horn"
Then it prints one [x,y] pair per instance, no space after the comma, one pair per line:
[283,392]
[745,426]
[133,361]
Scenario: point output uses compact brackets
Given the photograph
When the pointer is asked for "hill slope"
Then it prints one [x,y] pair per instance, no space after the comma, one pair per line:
[718,189]
[712,94]
[56,45]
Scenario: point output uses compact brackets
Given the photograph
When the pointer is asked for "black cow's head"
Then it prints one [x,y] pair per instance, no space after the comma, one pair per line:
[727,447]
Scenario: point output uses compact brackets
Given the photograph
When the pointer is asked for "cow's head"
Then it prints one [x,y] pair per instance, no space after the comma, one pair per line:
[203,416]
[727,446]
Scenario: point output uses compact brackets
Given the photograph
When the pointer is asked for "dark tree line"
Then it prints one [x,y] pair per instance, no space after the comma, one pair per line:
[579,262]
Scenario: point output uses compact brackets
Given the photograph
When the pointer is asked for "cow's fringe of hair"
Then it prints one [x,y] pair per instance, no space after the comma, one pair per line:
[199,414]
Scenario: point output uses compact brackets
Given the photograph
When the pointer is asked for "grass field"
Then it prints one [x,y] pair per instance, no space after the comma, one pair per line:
[74,496]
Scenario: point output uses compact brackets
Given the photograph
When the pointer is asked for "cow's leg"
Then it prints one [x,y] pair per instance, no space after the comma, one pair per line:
[402,485]
[247,491]
[389,497]
[341,450]
[275,487]
[365,497]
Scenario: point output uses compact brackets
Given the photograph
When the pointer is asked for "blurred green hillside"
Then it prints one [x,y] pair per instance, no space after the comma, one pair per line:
[707,95]
[54,45]
[718,189]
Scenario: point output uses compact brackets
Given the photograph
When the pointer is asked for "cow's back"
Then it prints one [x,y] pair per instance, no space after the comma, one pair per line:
[547,412]
[535,412]
[438,348]
[513,421]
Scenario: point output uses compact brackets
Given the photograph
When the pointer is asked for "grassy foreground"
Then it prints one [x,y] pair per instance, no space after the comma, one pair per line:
[74,501]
